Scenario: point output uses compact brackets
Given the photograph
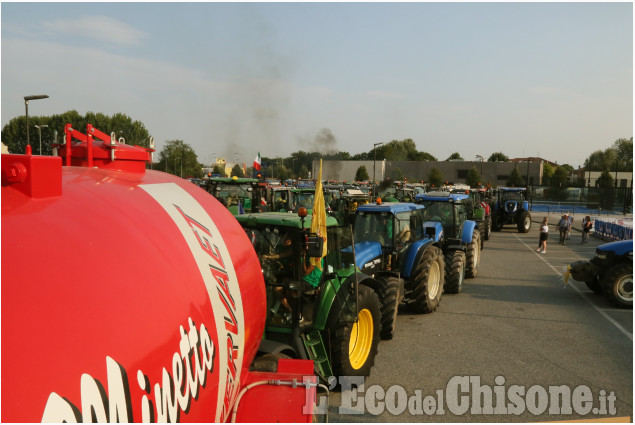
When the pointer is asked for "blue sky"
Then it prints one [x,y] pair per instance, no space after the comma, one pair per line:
[230,79]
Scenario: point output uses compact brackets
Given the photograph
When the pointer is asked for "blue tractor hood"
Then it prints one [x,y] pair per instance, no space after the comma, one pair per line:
[365,252]
[618,248]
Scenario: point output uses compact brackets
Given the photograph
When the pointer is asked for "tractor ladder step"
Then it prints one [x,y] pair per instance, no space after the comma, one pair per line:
[317,352]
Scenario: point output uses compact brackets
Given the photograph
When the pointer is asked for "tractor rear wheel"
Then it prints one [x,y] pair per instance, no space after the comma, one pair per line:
[618,285]
[473,255]
[524,222]
[454,271]
[390,294]
[488,227]
[354,344]
[428,278]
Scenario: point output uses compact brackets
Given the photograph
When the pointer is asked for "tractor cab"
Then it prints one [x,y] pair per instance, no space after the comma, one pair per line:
[312,313]
[451,209]
[239,195]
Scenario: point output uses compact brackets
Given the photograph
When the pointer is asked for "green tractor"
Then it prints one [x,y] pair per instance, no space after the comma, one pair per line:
[479,211]
[239,195]
[332,317]
[291,199]
[343,208]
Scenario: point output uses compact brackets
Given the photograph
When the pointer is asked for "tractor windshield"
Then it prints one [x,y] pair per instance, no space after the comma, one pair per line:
[514,196]
[447,214]
[276,252]
[232,193]
[304,199]
[374,227]
[280,200]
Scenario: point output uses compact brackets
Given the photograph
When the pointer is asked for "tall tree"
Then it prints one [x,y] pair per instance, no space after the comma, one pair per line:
[435,177]
[455,155]
[497,157]
[237,171]
[547,173]
[473,177]
[14,132]
[515,178]
[219,169]
[178,158]
[361,174]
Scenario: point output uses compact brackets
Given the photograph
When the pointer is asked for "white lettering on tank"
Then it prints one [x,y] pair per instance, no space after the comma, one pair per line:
[190,366]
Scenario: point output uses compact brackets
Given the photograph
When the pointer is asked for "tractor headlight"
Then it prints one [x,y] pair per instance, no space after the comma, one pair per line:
[602,256]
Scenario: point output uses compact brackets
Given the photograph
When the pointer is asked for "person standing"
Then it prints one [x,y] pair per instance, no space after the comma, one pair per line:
[570,218]
[564,225]
[544,235]
[587,225]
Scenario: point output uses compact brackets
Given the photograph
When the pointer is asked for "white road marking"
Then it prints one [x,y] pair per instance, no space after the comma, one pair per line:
[628,334]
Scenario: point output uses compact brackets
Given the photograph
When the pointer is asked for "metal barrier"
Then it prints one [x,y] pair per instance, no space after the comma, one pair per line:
[611,231]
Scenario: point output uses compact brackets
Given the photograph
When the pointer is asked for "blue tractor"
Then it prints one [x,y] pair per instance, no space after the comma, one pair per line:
[461,242]
[609,273]
[511,207]
[396,246]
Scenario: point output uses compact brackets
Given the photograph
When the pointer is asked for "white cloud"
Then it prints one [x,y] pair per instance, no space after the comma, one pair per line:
[101,28]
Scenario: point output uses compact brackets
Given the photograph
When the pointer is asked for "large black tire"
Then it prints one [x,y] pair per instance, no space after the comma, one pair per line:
[524,222]
[390,295]
[481,230]
[473,255]
[488,226]
[428,279]
[454,271]
[354,345]
[618,285]
[594,286]
[497,222]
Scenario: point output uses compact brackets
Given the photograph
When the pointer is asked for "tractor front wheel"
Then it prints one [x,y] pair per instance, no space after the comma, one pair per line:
[428,278]
[524,222]
[390,294]
[354,344]
[497,222]
[473,255]
[454,271]
[618,285]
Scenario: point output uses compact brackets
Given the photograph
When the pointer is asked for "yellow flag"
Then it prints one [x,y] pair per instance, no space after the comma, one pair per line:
[318,219]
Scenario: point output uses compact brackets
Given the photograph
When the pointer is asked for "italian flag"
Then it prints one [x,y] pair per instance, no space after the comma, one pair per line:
[257,162]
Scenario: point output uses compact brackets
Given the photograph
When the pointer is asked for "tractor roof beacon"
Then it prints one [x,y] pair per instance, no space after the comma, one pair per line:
[320,323]
[511,207]
[396,246]
[462,242]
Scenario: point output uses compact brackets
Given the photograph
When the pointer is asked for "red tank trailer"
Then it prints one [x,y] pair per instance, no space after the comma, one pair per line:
[131,295]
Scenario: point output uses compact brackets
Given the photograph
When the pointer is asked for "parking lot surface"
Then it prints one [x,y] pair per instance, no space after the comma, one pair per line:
[515,334]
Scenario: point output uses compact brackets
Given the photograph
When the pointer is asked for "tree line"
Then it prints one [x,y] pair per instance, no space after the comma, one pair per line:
[179,158]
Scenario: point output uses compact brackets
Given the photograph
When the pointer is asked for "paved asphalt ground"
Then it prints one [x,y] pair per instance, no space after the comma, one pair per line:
[515,321]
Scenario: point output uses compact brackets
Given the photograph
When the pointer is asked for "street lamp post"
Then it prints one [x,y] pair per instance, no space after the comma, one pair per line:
[39,130]
[481,158]
[374,167]
[26,106]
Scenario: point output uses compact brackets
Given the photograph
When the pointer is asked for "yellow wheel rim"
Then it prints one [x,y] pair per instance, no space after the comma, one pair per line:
[361,339]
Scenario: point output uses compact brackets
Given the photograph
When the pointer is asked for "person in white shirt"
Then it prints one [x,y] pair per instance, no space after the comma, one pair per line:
[544,235]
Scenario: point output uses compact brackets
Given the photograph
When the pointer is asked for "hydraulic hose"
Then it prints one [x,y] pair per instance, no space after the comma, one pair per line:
[277,382]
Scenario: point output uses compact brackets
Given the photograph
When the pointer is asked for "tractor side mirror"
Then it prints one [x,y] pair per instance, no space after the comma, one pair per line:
[314,246]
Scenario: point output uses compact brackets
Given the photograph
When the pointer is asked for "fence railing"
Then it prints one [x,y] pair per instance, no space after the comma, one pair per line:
[612,230]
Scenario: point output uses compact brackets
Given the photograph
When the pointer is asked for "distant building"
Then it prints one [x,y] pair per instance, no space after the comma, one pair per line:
[494,173]
[624,178]
[534,159]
